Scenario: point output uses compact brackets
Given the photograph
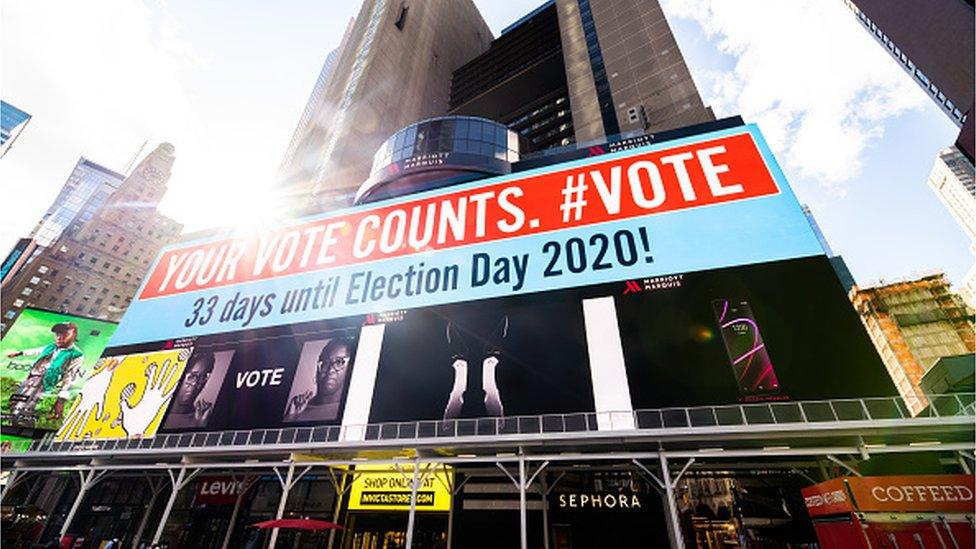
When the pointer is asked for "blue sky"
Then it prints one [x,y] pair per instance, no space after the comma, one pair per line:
[225,82]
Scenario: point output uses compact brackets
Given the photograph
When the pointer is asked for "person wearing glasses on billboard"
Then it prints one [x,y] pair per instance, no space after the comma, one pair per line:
[57,366]
[189,410]
[321,403]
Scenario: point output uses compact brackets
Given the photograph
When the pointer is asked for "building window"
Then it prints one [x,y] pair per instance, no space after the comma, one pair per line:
[401,19]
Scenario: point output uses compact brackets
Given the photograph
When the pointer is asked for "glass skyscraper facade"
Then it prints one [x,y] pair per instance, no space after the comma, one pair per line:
[12,122]
[87,189]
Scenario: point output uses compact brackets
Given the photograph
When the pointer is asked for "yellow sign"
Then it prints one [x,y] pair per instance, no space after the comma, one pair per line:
[125,396]
[384,488]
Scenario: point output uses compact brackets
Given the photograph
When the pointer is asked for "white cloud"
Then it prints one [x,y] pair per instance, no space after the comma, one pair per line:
[816,82]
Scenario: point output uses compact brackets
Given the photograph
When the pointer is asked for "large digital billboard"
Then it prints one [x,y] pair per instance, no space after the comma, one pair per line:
[674,274]
[46,357]
[264,378]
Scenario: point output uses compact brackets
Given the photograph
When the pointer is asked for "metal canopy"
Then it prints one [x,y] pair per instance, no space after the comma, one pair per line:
[806,428]
[788,437]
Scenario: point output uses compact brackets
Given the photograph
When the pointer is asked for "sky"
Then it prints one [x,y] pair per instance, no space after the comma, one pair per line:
[225,82]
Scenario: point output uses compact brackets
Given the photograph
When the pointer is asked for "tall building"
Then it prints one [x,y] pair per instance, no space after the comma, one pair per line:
[521,82]
[953,182]
[932,40]
[584,72]
[836,261]
[817,231]
[88,187]
[309,132]
[393,68]
[96,265]
[913,324]
[12,122]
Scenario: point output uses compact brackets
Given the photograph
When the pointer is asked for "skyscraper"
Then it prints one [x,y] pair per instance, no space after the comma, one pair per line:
[308,135]
[933,41]
[582,71]
[393,68]
[521,82]
[88,187]
[953,182]
[12,122]
[86,190]
[836,261]
[624,69]
[913,324]
[96,265]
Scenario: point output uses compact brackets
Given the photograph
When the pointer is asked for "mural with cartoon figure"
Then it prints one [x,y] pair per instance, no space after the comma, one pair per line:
[125,396]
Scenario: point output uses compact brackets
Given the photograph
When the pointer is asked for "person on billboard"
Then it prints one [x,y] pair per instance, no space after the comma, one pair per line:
[321,403]
[57,366]
[470,401]
[189,410]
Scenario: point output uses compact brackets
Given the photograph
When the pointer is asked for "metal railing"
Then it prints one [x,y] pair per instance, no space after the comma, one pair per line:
[687,419]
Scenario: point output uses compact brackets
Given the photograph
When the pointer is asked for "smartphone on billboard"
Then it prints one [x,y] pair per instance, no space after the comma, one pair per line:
[745,348]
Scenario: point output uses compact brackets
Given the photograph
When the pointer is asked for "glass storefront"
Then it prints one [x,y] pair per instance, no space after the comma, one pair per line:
[389,531]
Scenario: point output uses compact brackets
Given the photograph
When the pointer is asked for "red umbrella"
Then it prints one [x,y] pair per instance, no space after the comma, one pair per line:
[298,524]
